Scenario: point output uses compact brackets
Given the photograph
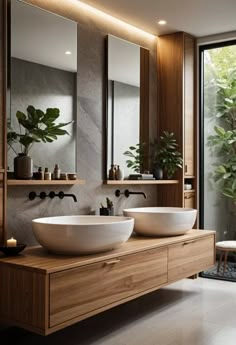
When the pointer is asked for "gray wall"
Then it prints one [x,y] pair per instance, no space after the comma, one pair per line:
[45,87]
[92,32]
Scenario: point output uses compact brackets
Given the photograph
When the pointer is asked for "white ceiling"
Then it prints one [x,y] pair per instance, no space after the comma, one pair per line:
[42,37]
[197,17]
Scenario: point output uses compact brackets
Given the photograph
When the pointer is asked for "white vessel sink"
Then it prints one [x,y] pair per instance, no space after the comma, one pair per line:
[162,221]
[82,234]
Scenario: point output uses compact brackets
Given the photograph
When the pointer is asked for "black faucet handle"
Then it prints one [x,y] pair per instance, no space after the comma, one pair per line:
[61,195]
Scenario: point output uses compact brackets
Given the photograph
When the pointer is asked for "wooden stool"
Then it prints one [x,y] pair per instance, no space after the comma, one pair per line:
[225,247]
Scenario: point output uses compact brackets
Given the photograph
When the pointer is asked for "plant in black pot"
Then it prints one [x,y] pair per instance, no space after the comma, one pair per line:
[165,155]
[35,126]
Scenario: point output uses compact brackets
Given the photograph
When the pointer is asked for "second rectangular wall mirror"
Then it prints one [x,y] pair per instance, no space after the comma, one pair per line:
[44,74]
[127,99]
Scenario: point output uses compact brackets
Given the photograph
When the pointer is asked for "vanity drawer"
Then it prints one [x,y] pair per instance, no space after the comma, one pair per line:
[190,257]
[82,290]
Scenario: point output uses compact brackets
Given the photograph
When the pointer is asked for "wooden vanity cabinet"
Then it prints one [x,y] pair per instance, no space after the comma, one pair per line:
[44,293]
[97,285]
[184,257]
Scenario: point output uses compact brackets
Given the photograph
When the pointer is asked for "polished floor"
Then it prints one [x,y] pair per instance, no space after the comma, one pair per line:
[190,312]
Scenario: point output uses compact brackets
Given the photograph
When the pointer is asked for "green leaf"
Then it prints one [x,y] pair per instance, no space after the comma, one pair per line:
[226,176]
[220,169]
[219,130]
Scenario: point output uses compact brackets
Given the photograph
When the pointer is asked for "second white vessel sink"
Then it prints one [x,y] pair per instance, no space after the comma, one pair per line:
[162,221]
[75,235]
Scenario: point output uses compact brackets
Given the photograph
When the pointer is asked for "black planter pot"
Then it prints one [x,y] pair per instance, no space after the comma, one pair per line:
[104,211]
[23,167]
[158,173]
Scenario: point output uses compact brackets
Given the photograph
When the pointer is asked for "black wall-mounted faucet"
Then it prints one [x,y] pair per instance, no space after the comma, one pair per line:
[127,193]
[51,195]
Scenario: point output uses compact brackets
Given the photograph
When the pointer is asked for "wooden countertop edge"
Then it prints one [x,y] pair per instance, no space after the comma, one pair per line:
[79,261]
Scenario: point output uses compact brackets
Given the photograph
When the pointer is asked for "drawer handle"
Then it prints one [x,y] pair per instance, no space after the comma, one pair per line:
[112,262]
[189,242]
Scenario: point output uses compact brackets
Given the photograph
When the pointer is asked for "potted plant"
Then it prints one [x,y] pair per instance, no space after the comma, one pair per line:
[164,155]
[35,126]
[136,155]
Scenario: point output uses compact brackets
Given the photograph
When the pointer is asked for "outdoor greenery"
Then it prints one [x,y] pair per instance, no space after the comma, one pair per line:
[165,154]
[36,126]
[222,83]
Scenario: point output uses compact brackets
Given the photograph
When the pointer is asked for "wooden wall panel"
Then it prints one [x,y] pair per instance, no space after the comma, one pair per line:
[170,105]
[3,86]
[189,106]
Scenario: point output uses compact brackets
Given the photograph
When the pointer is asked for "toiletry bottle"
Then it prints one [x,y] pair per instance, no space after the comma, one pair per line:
[119,173]
[112,172]
[56,172]
[40,174]
[47,174]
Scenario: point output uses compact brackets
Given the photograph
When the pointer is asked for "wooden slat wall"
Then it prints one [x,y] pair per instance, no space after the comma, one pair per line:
[3,70]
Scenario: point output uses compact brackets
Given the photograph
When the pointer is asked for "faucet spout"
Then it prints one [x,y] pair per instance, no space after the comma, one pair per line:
[61,195]
[128,193]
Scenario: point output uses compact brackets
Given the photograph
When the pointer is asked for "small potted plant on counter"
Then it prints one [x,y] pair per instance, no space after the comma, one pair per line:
[108,210]
[165,155]
[35,126]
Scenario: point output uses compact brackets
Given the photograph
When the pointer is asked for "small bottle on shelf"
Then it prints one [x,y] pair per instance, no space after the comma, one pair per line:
[119,174]
[112,172]
[40,174]
[56,172]
[47,174]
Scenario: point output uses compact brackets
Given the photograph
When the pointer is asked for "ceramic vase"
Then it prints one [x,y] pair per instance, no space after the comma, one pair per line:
[23,167]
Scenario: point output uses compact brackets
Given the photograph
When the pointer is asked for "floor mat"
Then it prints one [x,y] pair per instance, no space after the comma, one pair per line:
[230,272]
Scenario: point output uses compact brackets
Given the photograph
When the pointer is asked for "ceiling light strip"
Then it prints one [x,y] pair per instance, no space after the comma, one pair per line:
[114,20]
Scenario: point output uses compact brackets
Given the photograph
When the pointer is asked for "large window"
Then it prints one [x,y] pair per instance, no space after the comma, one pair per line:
[218,139]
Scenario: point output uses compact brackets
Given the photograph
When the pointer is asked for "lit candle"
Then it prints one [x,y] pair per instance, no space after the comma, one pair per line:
[11,242]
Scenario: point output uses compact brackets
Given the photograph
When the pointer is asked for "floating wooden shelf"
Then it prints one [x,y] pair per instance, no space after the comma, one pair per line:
[189,190]
[140,182]
[43,182]
[189,177]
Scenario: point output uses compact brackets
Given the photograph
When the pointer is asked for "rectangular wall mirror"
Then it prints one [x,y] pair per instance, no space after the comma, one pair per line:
[44,74]
[127,100]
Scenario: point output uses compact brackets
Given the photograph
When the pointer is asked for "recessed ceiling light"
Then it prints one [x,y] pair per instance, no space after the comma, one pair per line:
[68,52]
[162,22]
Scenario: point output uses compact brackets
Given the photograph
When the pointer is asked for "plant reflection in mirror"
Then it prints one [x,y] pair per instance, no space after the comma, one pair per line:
[136,154]
[36,126]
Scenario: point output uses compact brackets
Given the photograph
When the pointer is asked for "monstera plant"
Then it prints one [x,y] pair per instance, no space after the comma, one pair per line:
[35,126]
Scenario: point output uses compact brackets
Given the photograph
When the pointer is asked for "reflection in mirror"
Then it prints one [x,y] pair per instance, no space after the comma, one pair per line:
[127,109]
[43,74]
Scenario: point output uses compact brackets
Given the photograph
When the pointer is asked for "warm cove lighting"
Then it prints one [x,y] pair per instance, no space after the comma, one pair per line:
[114,20]
[162,22]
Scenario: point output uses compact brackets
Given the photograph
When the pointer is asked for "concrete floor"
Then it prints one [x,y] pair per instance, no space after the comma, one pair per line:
[199,312]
